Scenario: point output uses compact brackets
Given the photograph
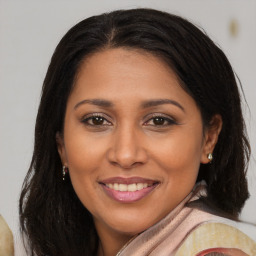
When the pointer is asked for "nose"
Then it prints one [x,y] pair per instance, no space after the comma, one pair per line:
[127,148]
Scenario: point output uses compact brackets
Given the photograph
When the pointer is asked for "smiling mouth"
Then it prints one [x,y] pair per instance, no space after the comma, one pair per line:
[131,187]
[128,190]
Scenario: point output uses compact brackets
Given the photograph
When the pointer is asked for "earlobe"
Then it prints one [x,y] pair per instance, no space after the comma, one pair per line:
[211,138]
[61,148]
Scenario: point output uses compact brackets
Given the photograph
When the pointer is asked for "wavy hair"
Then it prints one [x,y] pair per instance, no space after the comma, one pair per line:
[53,220]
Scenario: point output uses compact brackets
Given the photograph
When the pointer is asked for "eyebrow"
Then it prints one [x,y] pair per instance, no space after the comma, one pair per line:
[145,104]
[154,103]
[96,102]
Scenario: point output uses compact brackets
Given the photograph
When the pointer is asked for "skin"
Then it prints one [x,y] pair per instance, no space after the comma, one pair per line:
[128,142]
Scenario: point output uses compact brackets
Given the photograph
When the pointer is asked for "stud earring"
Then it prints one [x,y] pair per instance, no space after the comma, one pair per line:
[210,157]
[64,172]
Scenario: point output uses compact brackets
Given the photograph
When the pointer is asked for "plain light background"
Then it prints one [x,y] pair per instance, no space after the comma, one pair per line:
[29,33]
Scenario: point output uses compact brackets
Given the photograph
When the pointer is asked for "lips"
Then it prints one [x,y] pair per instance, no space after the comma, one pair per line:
[128,190]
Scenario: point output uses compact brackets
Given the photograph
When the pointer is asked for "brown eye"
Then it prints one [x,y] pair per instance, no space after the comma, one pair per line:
[97,120]
[159,121]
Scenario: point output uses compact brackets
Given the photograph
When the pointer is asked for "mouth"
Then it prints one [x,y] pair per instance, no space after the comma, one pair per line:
[131,187]
[128,190]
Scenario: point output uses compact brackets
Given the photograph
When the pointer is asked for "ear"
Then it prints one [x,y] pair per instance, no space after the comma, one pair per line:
[211,135]
[61,148]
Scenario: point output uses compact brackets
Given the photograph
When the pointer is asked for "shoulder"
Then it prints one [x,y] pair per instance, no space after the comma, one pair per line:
[216,238]
[6,239]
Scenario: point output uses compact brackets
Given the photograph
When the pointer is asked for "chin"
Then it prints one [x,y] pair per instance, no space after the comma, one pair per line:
[133,225]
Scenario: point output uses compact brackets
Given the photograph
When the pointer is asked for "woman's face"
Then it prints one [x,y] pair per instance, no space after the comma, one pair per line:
[133,140]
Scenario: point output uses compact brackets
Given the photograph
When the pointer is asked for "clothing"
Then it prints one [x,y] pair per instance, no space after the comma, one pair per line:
[6,239]
[190,231]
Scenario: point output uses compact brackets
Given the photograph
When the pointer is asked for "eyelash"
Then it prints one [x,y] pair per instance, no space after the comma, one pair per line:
[94,116]
[167,121]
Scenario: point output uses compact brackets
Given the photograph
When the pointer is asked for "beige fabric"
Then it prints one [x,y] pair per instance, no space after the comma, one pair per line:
[216,235]
[166,236]
[6,239]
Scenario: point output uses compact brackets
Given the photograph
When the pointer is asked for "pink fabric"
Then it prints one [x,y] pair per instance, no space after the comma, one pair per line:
[165,237]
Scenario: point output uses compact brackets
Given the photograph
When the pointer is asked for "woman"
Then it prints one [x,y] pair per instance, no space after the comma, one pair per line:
[139,111]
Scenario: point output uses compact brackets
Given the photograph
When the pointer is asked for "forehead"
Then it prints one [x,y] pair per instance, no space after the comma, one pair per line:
[126,74]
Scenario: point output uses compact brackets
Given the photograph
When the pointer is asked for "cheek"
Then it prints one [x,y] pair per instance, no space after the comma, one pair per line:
[85,154]
[83,151]
[179,156]
[84,160]
[180,148]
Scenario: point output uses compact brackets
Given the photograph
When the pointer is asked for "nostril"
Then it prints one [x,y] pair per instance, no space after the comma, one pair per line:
[126,155]
[125,166]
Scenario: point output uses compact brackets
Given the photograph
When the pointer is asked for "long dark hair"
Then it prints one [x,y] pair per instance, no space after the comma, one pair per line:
[52,218]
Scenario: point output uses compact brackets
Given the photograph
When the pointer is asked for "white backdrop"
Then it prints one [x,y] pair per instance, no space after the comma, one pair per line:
[29,32]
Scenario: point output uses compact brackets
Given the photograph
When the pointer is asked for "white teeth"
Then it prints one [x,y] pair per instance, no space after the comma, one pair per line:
[132,187]
[124,187]
[140,186]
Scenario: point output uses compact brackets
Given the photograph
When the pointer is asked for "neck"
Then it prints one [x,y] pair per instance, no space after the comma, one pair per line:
[111,242]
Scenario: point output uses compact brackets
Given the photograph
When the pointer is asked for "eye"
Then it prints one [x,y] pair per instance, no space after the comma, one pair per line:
[159,120]
[96,120]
